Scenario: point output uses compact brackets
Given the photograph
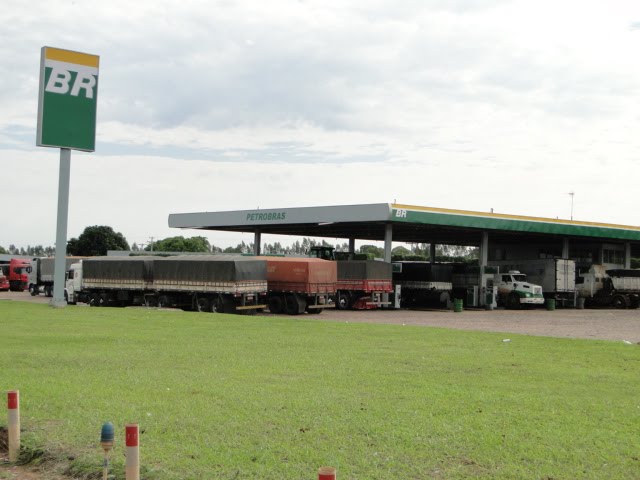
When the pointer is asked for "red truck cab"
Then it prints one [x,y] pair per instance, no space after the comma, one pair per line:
[18,275]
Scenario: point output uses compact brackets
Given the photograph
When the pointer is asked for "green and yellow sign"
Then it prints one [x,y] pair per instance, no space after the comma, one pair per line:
[68,99]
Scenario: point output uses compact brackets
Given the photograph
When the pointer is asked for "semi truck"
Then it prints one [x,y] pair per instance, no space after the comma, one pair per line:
[298,284]
[362,283]
[556,276]
[514,291]
[229,284]
[16,272]
[511,289]
[423,284]
[41,274]
[618,288]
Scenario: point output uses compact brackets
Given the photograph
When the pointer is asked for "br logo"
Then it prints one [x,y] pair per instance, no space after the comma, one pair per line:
[401,213]
[60,81]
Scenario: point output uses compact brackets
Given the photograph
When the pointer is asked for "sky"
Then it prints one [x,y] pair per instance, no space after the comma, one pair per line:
[225,105]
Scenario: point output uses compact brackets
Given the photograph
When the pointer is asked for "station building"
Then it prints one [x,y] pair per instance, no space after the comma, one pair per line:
[499,237]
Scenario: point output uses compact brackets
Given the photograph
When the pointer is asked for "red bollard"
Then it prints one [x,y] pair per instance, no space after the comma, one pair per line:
[132,463]
[13,405]
[327,473]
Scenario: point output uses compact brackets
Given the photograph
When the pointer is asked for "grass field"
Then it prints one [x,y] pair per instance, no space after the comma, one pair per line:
[237,397]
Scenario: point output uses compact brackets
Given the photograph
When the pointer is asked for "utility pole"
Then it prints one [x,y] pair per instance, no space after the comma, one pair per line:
[572,194]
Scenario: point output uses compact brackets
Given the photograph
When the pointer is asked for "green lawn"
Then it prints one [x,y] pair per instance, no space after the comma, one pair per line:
[237,397]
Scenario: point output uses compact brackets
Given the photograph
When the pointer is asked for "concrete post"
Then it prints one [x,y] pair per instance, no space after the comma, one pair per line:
[388,240]
[352,245]
[627,255]
[483,261]
[257,239]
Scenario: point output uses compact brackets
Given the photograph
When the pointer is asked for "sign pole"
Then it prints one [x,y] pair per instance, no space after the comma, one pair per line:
[61,229]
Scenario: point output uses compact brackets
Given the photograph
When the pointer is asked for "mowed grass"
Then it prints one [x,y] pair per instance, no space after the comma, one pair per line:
[237,397]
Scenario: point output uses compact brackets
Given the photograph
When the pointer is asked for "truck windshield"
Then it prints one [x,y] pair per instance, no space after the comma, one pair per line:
[519,278]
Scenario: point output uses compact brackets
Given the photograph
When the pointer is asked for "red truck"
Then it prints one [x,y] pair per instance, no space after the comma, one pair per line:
[361,282]
[16,271]
[298,284]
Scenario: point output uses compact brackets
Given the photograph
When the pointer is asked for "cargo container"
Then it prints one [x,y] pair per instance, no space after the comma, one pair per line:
[41,274]
[423,284]
[362,283]
[297,284]
[229,284]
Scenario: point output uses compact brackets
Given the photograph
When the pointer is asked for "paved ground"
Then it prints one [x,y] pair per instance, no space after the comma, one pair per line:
[603,324]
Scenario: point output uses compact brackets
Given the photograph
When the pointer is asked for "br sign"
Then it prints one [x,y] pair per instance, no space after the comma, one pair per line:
[68,99]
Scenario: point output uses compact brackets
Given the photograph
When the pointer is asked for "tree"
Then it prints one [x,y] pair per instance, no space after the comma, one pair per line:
[97,240]
[3,251]
[372,251]
[181,244]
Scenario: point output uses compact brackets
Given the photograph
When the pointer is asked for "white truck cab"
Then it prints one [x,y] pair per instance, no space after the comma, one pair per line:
[514,291]
[73,283]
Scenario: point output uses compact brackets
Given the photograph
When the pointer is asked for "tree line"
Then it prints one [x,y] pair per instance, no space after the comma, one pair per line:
[98,239]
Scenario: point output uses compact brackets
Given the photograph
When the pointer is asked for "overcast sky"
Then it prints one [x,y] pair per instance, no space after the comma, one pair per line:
[225,105]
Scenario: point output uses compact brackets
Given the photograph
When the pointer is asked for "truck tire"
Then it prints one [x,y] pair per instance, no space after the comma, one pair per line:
[203,304]
[343,301]
[94,300]
[634,301]
[513,301]
[33,290]
[276,304]
[619,301]
[48,291]
[217,305]
[292,304]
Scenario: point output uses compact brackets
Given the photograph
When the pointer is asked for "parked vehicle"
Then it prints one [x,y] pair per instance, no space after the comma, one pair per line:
[16,272]
[4,282]
[618,288]
[41,274]
[514,291]
[362,283]
[423,284]
[298,284]
[556,276]
[229,284]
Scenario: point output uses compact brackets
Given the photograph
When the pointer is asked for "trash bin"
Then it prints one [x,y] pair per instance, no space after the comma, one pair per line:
[489,300]
[551,304]
[457,305]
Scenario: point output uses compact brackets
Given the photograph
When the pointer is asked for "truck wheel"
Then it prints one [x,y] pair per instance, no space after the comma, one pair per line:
[94,300]
[163,301]
[203,304]
[33,290]
[276,304]
[48,291]
[343,301]
[217,305]
[513,301]
[619,301]
[634,301]
[291,305]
